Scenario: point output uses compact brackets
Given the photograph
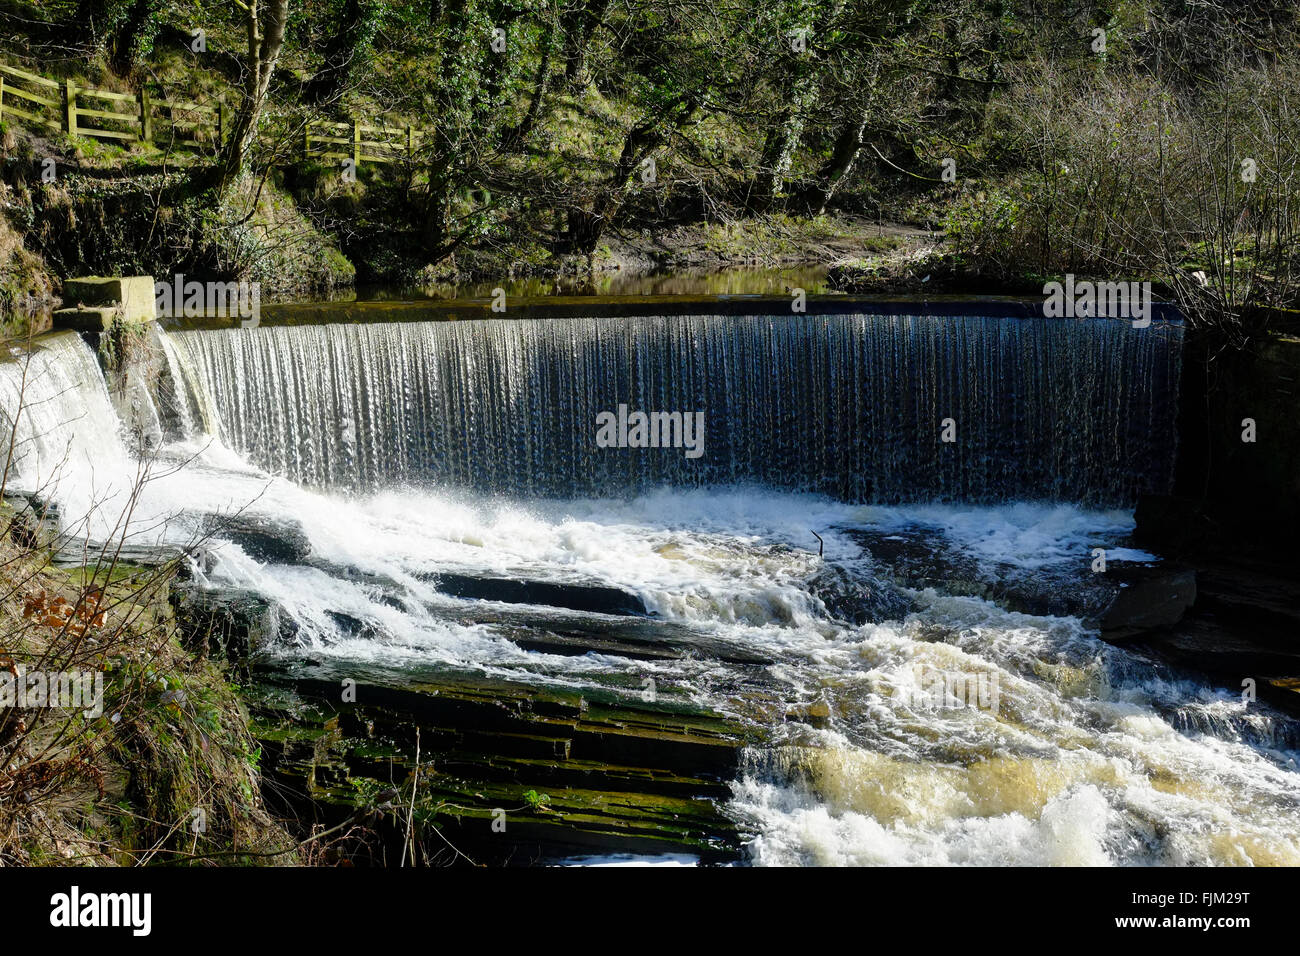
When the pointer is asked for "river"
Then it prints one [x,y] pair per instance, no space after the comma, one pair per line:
[937,721]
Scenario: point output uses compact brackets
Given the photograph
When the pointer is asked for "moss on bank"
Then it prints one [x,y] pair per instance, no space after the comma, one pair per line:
[164,768]
[152,221]
[159,225]
[452,766]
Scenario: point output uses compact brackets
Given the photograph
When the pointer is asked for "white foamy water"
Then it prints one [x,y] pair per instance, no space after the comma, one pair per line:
[1087,755]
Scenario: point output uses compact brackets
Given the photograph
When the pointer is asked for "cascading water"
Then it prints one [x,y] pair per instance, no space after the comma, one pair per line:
[67,443]
[1090,754]
[847,405]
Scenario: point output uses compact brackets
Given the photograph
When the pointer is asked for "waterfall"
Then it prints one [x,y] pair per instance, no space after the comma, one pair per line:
[66,430]
[848,405]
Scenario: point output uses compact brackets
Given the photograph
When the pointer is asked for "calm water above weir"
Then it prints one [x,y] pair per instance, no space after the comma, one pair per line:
[933,724]
[746,280]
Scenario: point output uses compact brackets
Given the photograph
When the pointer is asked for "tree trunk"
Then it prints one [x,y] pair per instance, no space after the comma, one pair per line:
[843,156]
[585,227]
[126,40]
[94,19]
[782,140]
[494,65]
[264,45]
[580,28]
[541,84]
[456,53]
[800,92]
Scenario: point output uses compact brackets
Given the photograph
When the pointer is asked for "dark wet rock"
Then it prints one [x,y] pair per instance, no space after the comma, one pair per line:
[631,637]
[1253,595]
[554,628]
[395,602]
[1174,524]
[1249,490]
[1126,600]
[923,558]
[353,626]
[35,505]
[33,522]
[1245,624]
[230,622]
[816,714]
[856,597]
[1148,598]
[1209,646]
[77,552]
[1234,617]
[618,773]
[916,557]
[573,644]
[1284,692]
[263,538]
[593,598]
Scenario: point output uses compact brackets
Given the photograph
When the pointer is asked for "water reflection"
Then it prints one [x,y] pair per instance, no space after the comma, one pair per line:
[738,281]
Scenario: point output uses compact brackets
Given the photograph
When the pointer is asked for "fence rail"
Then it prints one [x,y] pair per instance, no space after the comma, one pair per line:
[364,143]
[143,118]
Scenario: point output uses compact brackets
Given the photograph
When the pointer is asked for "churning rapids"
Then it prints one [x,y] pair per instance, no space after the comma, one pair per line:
[406,450]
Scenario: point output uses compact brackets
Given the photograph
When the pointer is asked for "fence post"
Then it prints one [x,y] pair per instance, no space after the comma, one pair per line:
[410,142]
[356,143]
[146,116]
[223,122]
[70,106]
[306,141]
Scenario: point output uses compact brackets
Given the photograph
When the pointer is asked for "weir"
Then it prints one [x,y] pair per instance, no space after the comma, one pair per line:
[850,405]
[662,666]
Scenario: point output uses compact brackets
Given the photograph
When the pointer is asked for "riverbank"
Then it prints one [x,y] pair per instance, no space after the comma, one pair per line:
[91,222]
[156,762]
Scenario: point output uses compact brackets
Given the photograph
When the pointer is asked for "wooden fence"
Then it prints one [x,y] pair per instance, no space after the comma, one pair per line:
[360,143]
[143,118]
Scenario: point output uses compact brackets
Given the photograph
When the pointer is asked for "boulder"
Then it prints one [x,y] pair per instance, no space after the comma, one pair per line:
[1150,598]
[263,538]
[1173,524]
[231,622]
[594,598]
[857,598]
[1218,647]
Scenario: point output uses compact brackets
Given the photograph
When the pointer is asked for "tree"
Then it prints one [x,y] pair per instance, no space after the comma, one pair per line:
[265,41]
[580,23]
[674,64]
[541,82]
[95,20]
[806,33]
[349,43]
[588,222]
[123,28]
[866,91]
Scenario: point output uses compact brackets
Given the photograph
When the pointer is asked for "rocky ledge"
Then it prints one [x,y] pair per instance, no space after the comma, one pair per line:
[443,765]
[486,770]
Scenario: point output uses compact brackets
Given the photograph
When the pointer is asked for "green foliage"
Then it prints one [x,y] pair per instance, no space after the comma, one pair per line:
[539,149]
[987,226]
